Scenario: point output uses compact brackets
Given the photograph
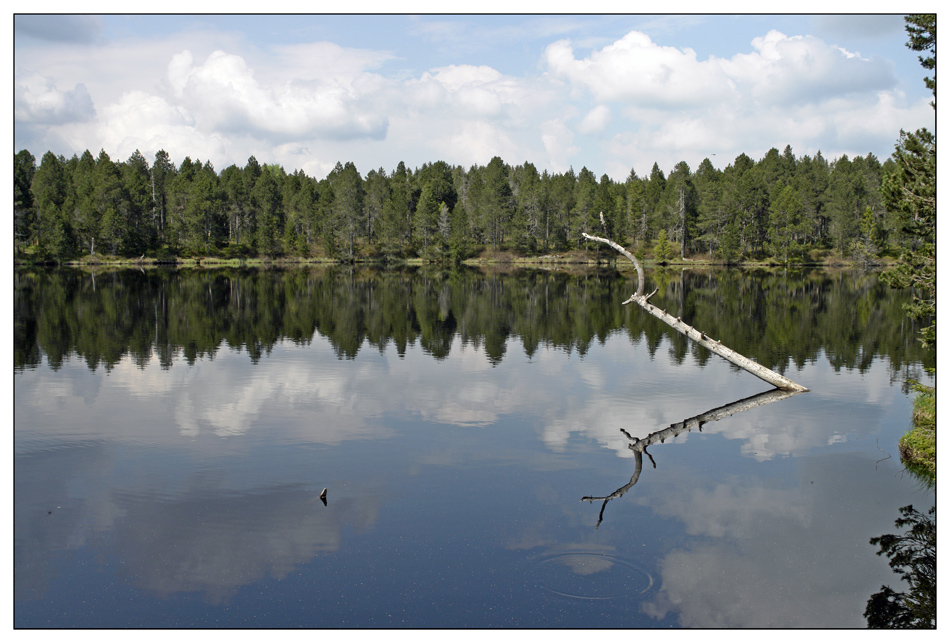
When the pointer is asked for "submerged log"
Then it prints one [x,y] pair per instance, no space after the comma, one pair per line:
[743,362]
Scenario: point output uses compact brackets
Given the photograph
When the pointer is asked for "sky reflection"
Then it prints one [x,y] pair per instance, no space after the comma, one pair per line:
[459,474]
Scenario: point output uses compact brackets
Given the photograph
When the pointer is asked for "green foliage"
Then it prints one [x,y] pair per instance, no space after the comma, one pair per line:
[128,208]
[922,29]
[663,249]
[865,248]
[52,235]
[24,210]
[909,189]
[918,447]
[785,222]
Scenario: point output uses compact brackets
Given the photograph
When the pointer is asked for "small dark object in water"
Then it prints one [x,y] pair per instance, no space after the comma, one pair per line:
[323,497]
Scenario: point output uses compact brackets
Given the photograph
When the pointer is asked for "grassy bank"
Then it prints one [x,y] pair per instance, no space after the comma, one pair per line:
[918,447]
[239,256]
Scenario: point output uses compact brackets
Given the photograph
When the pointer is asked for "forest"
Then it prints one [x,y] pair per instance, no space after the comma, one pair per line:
[780,208]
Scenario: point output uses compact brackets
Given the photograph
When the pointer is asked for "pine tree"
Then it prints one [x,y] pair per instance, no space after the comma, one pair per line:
[24,212]
[910,190]
[49,194]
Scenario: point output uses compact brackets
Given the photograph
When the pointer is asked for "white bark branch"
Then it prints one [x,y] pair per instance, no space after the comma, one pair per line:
[699,337]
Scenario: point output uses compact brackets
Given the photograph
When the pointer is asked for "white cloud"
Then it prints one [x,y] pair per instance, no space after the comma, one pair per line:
[802,69]
[625,103]
[37,100]
[224,95]
[478,141]
[596,120]
[743,565]
[780,70]
[635,69]
[144,121]
[558,142]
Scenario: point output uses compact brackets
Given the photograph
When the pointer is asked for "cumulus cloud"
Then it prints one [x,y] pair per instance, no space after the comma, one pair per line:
[37,100]
[223,94]
[636,69]
[781,69]
[470,91]
[558,142]
[674,106]
[147,122]
[478,141]
[742,566]
[627,103]
[596,120]
[803,69]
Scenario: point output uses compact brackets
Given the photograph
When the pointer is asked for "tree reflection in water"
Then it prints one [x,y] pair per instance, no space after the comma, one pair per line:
[639,446]
[913,555]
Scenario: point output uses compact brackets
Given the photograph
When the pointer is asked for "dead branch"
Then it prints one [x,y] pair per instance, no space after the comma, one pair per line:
[743,362]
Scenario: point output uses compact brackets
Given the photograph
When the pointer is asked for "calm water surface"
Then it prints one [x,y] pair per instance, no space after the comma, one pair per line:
[174,430]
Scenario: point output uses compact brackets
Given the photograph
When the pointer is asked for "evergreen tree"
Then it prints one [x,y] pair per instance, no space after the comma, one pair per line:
[710,214]
[922,29]
[49,194]
[635,199]
[378,194]
[136,185]
[529,208]
[655,215]
[680,202]
[561,194]
[81,208]
[785,223]
[235,198]
[584,217]
[497,201]
[162,172]
[662,249]
[266,202]
[426,219]
[813,176]
[24,212]
[346,210]
[910,190]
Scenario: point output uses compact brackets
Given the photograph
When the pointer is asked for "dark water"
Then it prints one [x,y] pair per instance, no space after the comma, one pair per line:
[174,430]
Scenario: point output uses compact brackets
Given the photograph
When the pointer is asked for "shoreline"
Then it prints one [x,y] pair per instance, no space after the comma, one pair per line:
[545,261]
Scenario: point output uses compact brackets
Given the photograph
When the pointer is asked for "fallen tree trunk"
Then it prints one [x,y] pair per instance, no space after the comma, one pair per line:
[698,336]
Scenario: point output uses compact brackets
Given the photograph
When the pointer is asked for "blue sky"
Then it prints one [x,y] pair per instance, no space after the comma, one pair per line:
[607,92]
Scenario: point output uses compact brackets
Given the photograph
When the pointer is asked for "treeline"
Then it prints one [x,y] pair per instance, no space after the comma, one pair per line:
[781,207]
[796,317]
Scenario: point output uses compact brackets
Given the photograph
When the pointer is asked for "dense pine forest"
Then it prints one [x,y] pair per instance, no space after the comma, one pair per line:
[779,208]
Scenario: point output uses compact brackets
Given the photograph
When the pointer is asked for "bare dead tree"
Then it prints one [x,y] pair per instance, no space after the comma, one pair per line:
[743,362]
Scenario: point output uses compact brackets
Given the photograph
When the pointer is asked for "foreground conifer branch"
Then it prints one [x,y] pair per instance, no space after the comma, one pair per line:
[699,337]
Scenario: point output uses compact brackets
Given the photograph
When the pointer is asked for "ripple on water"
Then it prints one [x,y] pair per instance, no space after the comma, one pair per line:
[590,575]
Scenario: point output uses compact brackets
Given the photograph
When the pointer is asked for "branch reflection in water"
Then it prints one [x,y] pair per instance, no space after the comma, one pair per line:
[639,446]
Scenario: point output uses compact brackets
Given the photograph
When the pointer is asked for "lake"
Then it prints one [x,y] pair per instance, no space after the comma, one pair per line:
[174,430]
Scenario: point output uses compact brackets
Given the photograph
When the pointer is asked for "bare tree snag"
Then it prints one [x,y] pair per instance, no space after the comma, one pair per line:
[639,446]
[699,337]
